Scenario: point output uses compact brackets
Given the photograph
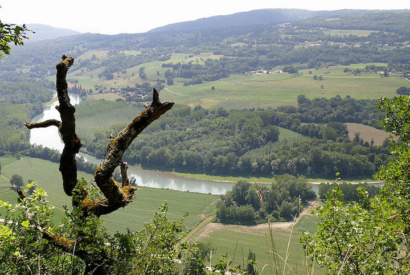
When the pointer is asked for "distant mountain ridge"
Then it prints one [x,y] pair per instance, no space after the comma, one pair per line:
[254,17]
[249,18]
[45,32]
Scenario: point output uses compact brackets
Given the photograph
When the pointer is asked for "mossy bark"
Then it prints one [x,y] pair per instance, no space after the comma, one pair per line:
[116,196]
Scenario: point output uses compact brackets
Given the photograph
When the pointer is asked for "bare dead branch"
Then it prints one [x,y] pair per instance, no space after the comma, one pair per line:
[119,197]
[115,196]
[43,124]
[124,176]
[72,144]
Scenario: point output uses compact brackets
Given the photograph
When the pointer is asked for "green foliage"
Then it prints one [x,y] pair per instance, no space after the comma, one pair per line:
[358,238]
[35,92]
[251,266]
[22,243]
[242,142]
[14,136]
[195,260]
[27,244]
[370,236]
[153,250]
[17,181]
[11,33]
[251,204]
[403,91]
[290,69]
[18,103]
[349,190]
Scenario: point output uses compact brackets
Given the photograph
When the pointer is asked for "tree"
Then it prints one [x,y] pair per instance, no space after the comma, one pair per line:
[89,204]
[329,133]
[403,90]
[290,69]
[170,81]
[11,33]
[195,262]
[370,236]
[17,181]
[240,192]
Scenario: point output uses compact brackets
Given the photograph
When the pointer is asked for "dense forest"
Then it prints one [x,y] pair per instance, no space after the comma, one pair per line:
[247,142]
[220,141]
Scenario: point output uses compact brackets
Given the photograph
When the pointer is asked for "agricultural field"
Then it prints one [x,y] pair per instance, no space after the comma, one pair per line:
[97,117]
[141,210]
[251,91]
[231,239]
[344,33]
[264,241]
[367,133]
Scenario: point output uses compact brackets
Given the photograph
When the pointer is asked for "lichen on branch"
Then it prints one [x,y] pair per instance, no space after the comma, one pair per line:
[116,195]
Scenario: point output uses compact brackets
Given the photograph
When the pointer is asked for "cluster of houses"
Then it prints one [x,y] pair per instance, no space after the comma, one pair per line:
[263,72]
[130,94]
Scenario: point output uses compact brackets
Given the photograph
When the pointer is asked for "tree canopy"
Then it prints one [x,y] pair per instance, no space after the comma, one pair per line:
[11,34]
[370,236]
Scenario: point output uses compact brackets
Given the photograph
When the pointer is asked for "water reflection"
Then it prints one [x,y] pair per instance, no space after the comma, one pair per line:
[159,179]
[49,137]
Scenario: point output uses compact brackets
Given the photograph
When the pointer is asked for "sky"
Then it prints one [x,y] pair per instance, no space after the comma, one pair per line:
[133,16]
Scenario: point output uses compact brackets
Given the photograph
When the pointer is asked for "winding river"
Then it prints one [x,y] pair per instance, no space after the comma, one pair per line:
[49,137]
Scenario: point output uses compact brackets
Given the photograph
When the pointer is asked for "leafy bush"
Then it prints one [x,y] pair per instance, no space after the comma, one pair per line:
[31,243]
[370,236]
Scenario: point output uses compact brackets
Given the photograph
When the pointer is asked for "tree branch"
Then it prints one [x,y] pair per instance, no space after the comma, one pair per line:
[72,144]
[120,197]
[43,124]
[115,196]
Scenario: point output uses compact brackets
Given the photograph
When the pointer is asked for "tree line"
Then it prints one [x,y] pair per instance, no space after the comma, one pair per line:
[247,142]
[349,191]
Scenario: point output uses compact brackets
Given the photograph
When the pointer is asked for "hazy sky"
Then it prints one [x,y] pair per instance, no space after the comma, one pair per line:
[133,16]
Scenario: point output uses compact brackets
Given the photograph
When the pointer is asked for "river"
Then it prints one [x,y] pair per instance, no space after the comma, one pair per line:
[49,137]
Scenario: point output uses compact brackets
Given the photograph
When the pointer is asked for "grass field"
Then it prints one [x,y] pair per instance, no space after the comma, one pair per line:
[252,91]
[238,91]
[146,200]
[234,240]
[100,116]
[238,240]
[341,33]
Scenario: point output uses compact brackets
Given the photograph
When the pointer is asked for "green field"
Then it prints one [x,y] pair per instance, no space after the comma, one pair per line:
[342,33]
[141,210]
[250,91]
[97,117]
[237,240]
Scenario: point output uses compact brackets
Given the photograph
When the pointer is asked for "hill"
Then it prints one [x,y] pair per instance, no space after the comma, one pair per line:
[251,18]
[45,32]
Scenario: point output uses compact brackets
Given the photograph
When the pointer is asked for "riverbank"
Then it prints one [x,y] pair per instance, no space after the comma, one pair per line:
[227,179]
[263,180]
